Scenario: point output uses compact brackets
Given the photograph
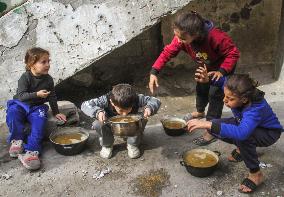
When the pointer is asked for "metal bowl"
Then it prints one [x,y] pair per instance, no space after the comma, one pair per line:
[200,171]
[174,126]
[129,125]
[69,148]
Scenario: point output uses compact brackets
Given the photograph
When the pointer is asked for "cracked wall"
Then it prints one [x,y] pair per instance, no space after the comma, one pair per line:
[77,33]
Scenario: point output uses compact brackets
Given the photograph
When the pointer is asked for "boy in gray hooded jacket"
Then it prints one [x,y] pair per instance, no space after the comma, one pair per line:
[122,100]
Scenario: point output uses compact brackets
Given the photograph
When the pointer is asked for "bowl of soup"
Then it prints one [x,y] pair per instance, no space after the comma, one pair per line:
[128,126]
[174,126]
[200,162]
[69,141]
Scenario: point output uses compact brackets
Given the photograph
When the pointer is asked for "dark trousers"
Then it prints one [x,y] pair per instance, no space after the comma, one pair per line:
[18,114]
[261,137]
[206,93]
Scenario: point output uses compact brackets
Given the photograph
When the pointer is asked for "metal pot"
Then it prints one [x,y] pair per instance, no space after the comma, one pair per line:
[200,171]
[129,125]
[174,126]
[73,148]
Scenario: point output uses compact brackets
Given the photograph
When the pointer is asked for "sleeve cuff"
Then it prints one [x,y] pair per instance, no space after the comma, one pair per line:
[215,128]
[223,71]
[154,71]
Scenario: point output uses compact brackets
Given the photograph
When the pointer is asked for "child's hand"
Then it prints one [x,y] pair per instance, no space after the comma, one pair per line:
[198,124]
[101,116]
[153,83]
[147,112]
[61,117]
[43,93]
[216,75]
[201,74]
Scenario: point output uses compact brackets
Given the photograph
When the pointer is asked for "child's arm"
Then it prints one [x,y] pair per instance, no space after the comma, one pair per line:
[149,103]
[240,132]
[221,42]
[249,122]
[22,91]
[53,103]
[93,107]
[171,50]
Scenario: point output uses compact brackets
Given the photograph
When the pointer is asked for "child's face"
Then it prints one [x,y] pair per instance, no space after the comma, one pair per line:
[231,100]
[120,110]
[183,36]
[41,67]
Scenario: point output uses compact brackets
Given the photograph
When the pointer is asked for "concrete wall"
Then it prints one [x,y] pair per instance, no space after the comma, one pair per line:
[77,33]
[279,69]
[253,25]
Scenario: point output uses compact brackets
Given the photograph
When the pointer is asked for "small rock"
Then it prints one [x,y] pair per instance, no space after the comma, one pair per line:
[273,93]
[142,159]
[176,153]
[268,165]
[177,86]
[219,193]
[262,165]
[175,186]
[6,176]
[262,193]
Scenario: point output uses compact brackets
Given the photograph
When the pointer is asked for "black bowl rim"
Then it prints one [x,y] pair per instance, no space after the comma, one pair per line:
[52,135]
[173,119]
[201,149]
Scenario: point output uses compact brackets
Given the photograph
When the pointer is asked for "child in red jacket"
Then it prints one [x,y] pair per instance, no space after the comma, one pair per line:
[206,45]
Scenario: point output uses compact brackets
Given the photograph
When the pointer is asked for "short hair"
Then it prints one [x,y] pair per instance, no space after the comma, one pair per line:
[191,23]
[123,96]
[33,55]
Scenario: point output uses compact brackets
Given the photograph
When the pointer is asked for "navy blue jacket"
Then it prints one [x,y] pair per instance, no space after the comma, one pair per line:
[257,114]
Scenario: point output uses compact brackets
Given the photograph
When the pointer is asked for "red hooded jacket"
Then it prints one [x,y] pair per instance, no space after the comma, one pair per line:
[217,51]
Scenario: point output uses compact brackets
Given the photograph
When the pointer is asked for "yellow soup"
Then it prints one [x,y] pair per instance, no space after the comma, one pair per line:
[123,119]
[200,159]
[174,125]
[71,138]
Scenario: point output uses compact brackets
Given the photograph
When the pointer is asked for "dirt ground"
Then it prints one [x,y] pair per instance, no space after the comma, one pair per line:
[159,166]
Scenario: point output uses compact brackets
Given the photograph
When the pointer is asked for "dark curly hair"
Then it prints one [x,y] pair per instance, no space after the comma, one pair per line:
[243,86]
[123,96]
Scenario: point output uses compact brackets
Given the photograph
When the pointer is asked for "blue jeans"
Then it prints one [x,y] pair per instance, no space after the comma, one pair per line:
[20,113]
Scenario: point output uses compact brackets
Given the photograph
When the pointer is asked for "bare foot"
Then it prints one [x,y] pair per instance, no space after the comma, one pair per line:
[196,114]
[231,158]
[257,178]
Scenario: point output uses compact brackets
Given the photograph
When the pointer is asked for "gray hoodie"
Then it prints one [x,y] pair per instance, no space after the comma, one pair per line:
[102,104]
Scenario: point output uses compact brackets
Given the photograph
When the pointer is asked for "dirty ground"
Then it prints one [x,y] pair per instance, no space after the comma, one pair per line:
[156,173]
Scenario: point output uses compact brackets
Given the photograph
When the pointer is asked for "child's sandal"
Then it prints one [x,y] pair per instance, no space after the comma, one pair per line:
[249,184]
[236,156]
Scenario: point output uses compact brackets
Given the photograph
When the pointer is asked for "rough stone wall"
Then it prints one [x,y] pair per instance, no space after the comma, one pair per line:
[77,33]
[253,25]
